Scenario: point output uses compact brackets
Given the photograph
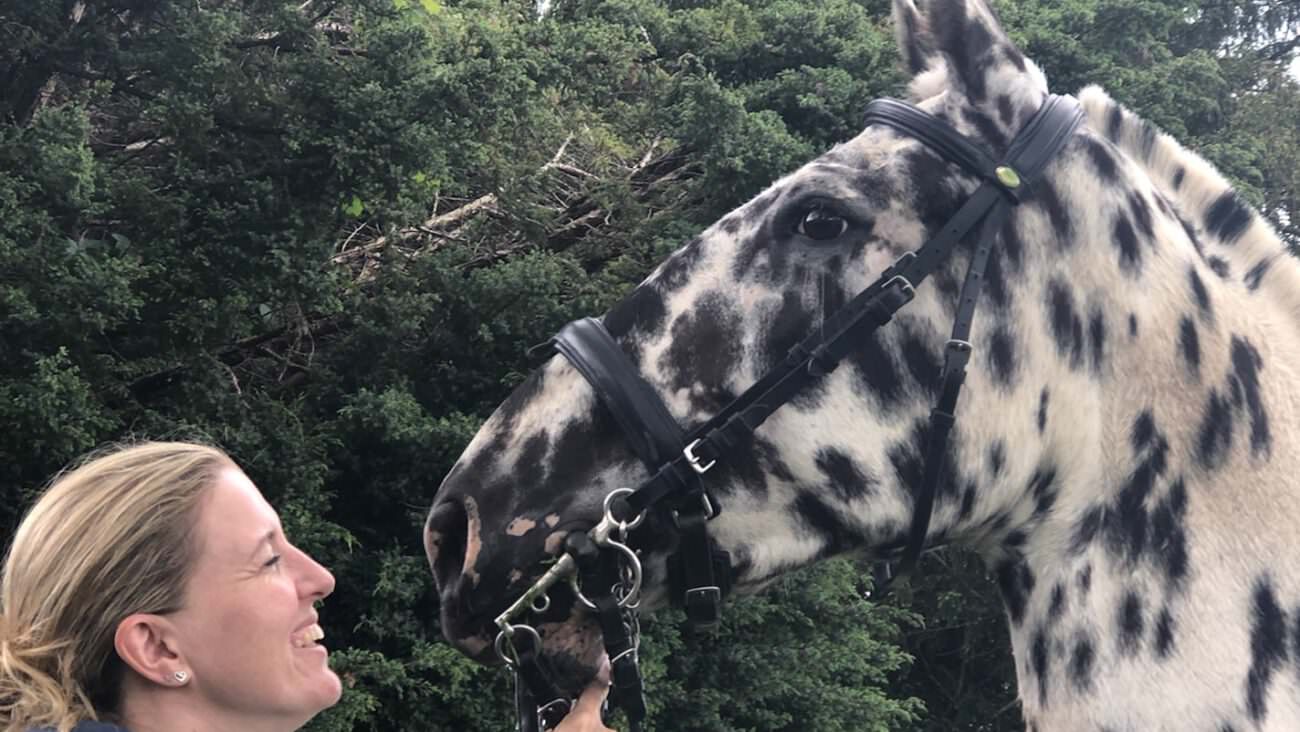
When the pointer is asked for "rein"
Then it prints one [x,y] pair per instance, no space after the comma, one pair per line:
[677,461]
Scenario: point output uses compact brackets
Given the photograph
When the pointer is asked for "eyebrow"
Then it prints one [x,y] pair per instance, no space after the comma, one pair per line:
[267,538]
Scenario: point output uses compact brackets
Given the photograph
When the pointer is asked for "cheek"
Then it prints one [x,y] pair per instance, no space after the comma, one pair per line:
[251,622]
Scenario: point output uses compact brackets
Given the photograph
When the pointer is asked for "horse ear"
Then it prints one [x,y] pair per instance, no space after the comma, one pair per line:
[967,38]
[914,40]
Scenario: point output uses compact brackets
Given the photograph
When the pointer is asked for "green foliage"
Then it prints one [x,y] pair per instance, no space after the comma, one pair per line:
[824,661]
[323,235]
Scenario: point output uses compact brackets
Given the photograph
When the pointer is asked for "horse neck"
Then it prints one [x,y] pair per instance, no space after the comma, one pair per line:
[1172,492]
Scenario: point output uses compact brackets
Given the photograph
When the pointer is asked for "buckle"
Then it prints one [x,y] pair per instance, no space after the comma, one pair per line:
[957,354]
[908,290]
[704,606]
[694,460]
[709,511]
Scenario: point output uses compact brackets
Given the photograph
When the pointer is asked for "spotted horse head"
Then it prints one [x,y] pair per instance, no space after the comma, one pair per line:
[1118,452]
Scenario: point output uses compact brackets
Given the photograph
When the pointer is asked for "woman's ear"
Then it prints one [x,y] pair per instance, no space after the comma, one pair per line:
[148,644]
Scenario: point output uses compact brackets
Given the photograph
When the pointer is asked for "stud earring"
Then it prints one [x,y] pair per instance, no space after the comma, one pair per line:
[181,676]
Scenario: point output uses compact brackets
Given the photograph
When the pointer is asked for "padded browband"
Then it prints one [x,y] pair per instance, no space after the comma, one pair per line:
[1028,154]
[933,132]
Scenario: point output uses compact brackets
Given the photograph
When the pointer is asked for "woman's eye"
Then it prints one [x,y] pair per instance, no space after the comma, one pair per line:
[822,224]
[273,561]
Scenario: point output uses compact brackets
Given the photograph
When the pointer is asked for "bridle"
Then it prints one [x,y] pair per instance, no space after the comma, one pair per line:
[677,461]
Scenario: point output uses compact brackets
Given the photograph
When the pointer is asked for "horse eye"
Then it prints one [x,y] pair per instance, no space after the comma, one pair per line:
[821,224]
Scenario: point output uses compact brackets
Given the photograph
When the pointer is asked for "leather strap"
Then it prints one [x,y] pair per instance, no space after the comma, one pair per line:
[934,133]
[651,431]
[656,437]
[676,462]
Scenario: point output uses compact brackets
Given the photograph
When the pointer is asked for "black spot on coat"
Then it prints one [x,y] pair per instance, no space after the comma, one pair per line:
[1039,658]
[1201,295]
[1220,267]
[1144,429]
[920,359]
[1255,274]
[677,270]
[1141,214]
[1169,534]
[704,347]
[1081,663]
[1097,339]
[845,478]
[1130,255]
[1066,326]
[1214,438]
[1002,356]
[1268,647]
[1057,603]
[826,523]
[1101,158]
[1045,195]
[1189,345]
[1130,620]
[1164,633]
[643,310]
[1246,364]
[1228,218]
[1088,528]
[997,458]
[1016,583]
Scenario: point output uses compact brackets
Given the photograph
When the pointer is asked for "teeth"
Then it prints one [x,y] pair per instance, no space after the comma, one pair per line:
[308,636]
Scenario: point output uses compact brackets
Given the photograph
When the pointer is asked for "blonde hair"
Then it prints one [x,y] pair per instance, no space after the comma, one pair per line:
[105,540]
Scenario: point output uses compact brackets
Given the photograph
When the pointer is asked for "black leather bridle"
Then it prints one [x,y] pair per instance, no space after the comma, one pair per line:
[678,461]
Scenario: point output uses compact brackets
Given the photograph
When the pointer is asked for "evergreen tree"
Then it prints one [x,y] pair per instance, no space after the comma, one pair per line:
[323,235]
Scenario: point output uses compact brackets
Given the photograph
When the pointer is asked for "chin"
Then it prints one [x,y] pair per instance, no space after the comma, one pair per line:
[327,691]
[574,651]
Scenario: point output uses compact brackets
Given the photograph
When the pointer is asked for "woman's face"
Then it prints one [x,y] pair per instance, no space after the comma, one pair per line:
[248,631]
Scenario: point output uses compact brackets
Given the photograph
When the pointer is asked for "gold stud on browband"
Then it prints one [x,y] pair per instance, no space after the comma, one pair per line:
[1007,176]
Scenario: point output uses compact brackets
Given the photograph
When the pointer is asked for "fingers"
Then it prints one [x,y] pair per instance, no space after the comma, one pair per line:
[585,716]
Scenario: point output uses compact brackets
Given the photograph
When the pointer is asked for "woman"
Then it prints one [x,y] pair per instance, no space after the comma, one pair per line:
[153,589]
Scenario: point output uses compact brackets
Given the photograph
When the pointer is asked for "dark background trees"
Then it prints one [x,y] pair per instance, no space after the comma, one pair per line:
[323,234]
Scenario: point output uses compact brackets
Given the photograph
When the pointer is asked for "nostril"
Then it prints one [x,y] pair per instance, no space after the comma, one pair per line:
[446,536]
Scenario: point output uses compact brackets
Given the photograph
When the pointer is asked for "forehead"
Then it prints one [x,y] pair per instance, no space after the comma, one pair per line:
[233,516]
[865,170]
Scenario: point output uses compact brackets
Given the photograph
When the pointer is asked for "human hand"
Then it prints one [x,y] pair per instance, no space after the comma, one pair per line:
[585,716]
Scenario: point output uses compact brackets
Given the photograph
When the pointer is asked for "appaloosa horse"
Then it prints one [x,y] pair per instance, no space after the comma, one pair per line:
[1123,453]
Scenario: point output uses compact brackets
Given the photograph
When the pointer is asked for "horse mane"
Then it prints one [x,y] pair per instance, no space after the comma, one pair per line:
[1222,225]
